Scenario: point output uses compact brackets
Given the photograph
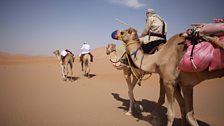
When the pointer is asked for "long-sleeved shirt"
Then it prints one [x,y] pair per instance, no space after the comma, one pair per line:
[85,49]
[154,24]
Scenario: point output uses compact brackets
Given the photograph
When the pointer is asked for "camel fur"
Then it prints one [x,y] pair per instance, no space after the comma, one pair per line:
[165,63]
[64,63]
[86,61]
[111,51]
[131,80]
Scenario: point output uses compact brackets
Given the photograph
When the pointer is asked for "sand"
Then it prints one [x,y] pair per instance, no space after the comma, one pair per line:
[32,93]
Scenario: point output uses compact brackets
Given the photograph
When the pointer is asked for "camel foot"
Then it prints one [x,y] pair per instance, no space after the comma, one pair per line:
[128,113]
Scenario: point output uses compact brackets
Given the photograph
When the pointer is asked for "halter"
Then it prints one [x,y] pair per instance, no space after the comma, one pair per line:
[116,57]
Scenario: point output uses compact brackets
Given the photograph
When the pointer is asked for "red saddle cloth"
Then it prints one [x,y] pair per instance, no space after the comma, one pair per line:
[205,55]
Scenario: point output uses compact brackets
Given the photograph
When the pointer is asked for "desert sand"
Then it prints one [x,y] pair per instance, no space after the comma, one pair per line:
[33,93]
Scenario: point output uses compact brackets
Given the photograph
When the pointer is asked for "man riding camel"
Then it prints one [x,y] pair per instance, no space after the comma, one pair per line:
[154,32]
[85,50]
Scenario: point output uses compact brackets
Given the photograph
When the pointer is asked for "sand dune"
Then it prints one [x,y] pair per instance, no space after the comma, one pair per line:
[33,93]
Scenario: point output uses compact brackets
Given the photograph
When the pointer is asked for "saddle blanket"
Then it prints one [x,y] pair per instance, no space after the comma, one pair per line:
[205,55]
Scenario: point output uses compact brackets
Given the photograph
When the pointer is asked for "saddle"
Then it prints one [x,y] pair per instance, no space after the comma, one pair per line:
[152,47]
[68,52]
[152,50]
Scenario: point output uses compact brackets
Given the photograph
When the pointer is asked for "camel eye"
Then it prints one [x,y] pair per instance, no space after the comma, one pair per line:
[122,33]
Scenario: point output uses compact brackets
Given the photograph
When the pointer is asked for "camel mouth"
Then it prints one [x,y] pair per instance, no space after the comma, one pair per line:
[114,35]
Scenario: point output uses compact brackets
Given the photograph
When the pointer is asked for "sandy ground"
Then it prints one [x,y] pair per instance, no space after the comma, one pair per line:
[32,93]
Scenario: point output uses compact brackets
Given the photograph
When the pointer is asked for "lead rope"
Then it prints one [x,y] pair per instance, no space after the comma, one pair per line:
[133,72]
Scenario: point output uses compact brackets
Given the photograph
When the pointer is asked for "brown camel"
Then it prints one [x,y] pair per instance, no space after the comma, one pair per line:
[64,62]
[130,78]
[111,51]
[86,64]
[165,62]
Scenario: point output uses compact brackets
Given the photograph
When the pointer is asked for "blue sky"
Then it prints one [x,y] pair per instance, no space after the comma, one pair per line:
[37,27]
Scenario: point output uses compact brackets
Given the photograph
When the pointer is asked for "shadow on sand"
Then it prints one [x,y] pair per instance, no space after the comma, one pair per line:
[71,78]
[148,107]
[90,75]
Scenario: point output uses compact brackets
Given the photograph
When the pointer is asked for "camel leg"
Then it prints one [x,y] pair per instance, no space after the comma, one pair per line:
[71,66]
[63,72]
[82,65]
[131,85]
[66,71]
[161,99]
[169,88]
[181,103]
[88,69]
[188,97]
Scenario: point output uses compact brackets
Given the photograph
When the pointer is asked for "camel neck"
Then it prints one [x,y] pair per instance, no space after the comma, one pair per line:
[134,48]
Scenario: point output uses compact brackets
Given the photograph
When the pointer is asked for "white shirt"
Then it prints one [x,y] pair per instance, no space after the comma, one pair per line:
[63,53]
[85,49]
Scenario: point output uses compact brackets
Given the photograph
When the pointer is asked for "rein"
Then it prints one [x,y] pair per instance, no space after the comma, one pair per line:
[117,60]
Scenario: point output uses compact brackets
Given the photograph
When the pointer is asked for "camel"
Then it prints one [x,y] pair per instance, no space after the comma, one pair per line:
[67,60]
[86,64]
[111,51]
[165,63]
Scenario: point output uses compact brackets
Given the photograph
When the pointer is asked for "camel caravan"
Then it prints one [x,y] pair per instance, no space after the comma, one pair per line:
[182,62]
[66,58]
[185,60]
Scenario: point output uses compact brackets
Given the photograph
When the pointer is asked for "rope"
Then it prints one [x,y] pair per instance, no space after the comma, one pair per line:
[132,70]
[116,57]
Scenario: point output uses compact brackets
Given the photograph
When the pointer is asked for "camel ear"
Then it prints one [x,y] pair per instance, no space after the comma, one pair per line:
[130,30]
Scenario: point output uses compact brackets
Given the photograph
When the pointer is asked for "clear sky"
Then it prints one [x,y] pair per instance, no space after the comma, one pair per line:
[38,27]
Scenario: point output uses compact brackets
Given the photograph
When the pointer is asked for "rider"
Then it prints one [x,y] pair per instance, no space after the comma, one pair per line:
[154,32]
[85,50]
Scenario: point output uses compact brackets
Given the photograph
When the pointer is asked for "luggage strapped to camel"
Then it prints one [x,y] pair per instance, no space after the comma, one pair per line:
[202,54]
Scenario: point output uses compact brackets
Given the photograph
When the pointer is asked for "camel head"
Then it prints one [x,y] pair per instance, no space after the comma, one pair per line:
[110,48]
[56,52]
[126,35]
